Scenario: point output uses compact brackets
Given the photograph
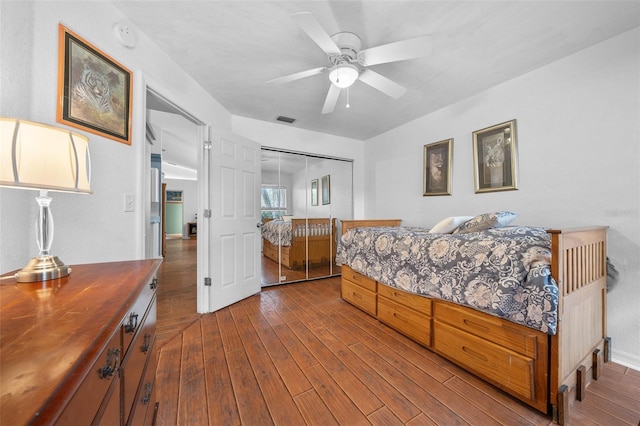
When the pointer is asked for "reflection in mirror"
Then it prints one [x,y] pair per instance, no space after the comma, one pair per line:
[300,235]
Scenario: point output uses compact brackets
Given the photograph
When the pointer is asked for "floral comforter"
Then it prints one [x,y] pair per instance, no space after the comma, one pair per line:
[277,232]
[502,271]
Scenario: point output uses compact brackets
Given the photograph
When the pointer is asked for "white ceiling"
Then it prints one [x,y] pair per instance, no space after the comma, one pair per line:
[232,48]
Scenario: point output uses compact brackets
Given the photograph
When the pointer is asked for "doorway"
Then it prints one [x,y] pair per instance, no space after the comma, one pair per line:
[172,136]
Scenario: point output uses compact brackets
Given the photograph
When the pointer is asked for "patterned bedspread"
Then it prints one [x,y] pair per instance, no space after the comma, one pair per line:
[277,232]
[502,271]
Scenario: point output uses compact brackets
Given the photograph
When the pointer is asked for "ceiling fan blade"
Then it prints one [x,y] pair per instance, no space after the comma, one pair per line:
[398,51]
[382,83]
[309,25]
[331,100]
[297,76]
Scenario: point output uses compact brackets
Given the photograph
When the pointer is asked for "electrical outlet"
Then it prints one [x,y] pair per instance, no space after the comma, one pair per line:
[129,202]
[283,278]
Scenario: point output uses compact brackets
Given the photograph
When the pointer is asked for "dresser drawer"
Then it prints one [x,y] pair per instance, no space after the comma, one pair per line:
[136,358]
[133,319]
[419,303]
[501,366]
[109,413]
[359,279]
[409,322]
[88,398]
[143,410]
[513,336]
[359,296]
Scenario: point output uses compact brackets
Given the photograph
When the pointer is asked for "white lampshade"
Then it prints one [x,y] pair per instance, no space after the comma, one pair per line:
[38,156]
[46,158]
[344,75]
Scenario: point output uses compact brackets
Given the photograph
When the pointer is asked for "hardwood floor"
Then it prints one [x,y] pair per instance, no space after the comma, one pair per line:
[297,354]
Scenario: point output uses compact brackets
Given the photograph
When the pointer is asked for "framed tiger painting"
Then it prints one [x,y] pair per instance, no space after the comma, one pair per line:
[94,91]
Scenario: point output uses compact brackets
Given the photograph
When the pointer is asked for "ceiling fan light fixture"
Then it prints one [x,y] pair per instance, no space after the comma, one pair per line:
[344,75]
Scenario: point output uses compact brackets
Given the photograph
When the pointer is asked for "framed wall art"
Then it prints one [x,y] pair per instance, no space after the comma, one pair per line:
[495,158]
[326,190]
[437,168]
[94,91]
[314,192]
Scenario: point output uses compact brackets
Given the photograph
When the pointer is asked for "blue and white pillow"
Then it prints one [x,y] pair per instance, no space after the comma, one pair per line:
[486,221]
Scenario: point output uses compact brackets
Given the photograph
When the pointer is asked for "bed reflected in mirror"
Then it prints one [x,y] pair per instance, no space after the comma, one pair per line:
[300,232]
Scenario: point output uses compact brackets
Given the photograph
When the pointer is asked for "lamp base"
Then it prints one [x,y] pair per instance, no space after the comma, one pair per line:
[43,268]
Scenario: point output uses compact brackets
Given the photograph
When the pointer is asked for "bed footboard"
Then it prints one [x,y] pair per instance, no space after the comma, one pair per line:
[578,348]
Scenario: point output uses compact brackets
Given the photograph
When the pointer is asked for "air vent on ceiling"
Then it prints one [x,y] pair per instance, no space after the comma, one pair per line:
[285,119]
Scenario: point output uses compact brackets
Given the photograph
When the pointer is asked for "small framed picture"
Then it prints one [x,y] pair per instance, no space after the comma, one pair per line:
[437,168]
[495,158]
[326,190]
[314,192]
[94,91]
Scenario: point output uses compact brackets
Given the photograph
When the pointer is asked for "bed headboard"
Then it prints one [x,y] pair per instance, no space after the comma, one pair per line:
[363,223]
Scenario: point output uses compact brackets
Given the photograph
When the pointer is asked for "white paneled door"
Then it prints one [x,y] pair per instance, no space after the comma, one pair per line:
[233,254]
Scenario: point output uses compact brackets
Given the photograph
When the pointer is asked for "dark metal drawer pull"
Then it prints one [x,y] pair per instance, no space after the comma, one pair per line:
[111,365]
[133,323]
[146,342]
[153,284]
[147,393]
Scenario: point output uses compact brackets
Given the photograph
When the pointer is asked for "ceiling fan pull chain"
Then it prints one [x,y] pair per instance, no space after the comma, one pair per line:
[348,98]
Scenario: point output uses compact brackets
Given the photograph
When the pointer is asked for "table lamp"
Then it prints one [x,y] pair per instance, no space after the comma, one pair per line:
[41,157]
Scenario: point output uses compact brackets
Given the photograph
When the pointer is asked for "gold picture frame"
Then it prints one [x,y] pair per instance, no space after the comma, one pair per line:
[94,91]
[326,190]
[437,158]
[495,158]
[314,192]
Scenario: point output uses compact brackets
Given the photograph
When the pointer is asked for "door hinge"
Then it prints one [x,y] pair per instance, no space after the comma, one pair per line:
[207,282]
[207,213]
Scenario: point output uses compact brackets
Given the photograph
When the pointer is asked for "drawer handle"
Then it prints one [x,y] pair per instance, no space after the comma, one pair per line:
[153,284]
[400,317]
[111,365]
[355,277]
[473,324]
[146,342]
[147,393]
[133,323]
[474,353]
[357,296]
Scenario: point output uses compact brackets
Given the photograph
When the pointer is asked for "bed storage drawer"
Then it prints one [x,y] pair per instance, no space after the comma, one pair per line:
[359,296]
[503,367]
[359,279]
[419,303]
[513,336]
[409,322]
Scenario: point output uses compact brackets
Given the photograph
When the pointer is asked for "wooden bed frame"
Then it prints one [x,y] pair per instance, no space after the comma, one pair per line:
[322,244]
[541,370]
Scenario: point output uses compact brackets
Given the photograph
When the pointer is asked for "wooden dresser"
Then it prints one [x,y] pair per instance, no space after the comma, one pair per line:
[80,350]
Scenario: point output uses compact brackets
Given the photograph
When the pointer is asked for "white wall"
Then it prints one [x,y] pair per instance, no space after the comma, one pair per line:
[91,228]
[299,140]
[578,135]
[340,184]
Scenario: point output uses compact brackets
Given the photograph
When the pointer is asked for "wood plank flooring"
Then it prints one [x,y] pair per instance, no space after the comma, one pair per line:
[297,354]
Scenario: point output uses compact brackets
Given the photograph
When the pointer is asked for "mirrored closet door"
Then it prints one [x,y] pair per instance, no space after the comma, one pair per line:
[303,199]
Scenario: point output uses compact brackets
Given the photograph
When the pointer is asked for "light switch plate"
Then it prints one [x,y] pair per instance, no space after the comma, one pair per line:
[129,202]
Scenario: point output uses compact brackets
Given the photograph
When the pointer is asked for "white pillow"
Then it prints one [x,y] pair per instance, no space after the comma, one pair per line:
[287,218]
[447,225]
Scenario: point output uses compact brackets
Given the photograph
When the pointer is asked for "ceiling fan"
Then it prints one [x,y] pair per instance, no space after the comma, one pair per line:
[349,63]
